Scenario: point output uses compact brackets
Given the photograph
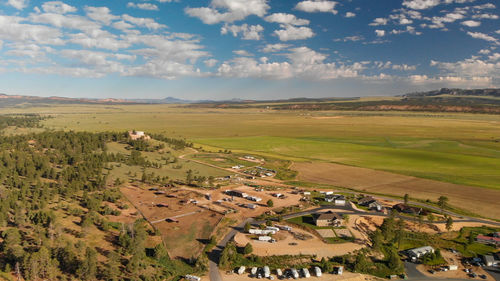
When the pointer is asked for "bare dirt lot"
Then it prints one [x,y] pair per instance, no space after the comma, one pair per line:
[481,201]
[194,225]
[288,245]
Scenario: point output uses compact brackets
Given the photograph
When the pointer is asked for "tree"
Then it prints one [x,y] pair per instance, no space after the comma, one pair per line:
[161,252]
[248,249]
[394,262]
[442,202]
[449,223]
[87,269]
[112,271]
[377,240]
[270,203]
[406,198]
[471,238]
[247,227]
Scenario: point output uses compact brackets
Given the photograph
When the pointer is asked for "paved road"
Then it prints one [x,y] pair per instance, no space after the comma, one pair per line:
[216,252]
[415,275]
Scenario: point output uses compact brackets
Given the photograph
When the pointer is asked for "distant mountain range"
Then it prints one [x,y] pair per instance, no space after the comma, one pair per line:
[441,97]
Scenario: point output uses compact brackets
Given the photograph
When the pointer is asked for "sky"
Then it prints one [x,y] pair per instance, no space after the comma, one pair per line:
[247,49]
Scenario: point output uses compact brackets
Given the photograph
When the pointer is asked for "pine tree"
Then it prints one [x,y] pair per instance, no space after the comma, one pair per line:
[87,269]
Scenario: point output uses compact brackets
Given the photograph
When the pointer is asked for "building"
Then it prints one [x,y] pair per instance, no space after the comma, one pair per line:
[492,260]
[375,205]
[365,201]
[403,208]
[135,135]
[337,200]
[419,252]
[328,219]
[236,193]
[488,240]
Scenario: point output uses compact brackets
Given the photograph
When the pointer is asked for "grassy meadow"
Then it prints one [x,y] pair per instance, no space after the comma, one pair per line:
[453,147]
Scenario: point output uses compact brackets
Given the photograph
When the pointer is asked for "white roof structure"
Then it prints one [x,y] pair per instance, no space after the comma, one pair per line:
[418,252]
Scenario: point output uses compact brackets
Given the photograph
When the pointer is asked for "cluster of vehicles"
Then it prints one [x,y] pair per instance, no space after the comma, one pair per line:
[291,273]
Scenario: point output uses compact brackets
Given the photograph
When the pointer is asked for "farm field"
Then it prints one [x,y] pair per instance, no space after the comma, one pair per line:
[463,149]
[481,201]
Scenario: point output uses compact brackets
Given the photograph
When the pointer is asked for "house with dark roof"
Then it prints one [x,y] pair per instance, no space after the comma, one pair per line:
[328,219]
[407,209]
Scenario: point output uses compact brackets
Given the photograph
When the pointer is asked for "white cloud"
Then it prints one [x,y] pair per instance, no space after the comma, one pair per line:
[100,14]
[380,33]
[353,38]
[289,32]
[143,22]
[405,21]
[66,21]
[242,53]
[249,32]
[312,6]
[18,4]
[482,36]
[99,39]
[486,16]
[210,62]
[350,15]
[379,21]
[471,23]
[143,6]
[272,48]
[232,10]
[13,30]
[58,7]
[420,4]
[302,63]
[286,19]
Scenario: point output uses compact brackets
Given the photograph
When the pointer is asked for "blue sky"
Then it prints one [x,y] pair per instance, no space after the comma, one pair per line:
[261,49]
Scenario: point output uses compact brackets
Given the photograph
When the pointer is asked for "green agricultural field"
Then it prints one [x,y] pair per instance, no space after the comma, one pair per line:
[452,147]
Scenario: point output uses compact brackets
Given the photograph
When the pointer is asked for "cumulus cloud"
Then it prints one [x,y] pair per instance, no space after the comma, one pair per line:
[18,4]
[379,21]
[286,19]
[380,33]
[58,7]
[353,38]
[312,6]
[350,15]
[249,32]
[471,23]
[272,48]
[143,22]
[228,10]
[100,14]
[289,32]
[143,6]
[302,63]
[420,4]
[210,62]
[482,36]
[13,29]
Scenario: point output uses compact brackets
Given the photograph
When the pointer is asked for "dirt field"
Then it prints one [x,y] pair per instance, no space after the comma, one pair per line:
[312,246]
[477,200]
[183,238]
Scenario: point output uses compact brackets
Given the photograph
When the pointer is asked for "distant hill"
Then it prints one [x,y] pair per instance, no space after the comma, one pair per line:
[442,100]
[457,92]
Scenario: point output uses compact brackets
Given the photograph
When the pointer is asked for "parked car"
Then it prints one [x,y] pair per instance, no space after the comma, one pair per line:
[432,271]
[482,276]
